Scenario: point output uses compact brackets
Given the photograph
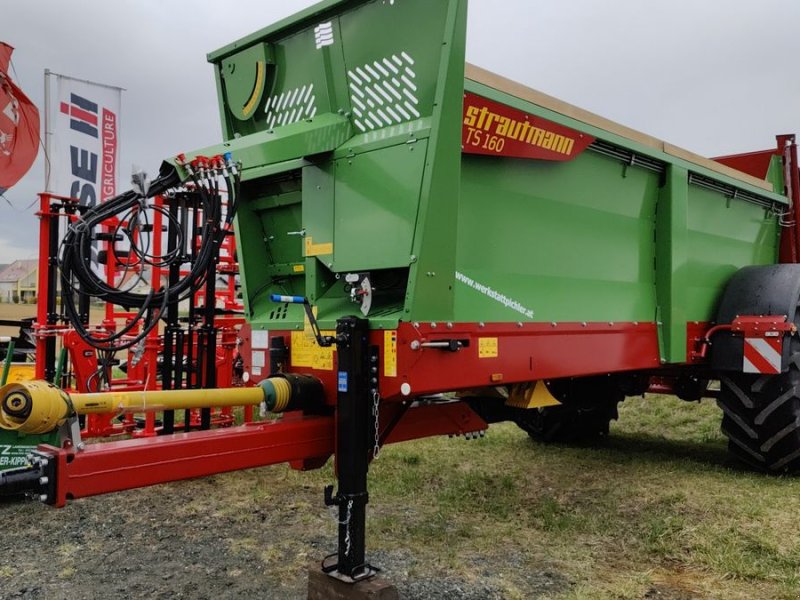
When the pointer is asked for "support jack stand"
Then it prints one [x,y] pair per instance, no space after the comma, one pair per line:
[346,574]
[331,569]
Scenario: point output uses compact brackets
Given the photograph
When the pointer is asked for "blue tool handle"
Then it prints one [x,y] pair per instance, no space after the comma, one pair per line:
[287,299]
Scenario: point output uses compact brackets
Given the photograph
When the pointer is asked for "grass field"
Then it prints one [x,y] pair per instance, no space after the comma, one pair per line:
[656,512]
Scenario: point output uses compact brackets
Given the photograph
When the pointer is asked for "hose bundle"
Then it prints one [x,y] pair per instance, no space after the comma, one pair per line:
[130,210]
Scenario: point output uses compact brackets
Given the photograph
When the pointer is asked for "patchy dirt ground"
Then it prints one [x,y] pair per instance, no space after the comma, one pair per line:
[177,541]
[656,513]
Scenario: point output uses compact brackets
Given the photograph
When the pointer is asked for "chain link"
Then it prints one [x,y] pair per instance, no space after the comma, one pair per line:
[376,400]
[346,523]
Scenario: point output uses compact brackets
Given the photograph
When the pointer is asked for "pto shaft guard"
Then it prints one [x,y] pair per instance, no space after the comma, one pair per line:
[36,407]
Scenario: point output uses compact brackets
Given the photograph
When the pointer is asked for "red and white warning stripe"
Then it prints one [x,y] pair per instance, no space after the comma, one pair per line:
[763,355]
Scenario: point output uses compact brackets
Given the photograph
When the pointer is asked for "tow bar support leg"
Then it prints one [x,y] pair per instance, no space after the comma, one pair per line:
[351,576]
[352,458]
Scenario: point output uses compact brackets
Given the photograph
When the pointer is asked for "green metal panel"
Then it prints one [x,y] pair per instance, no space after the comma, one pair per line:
[352,162]
[244,78]
[266,252]
[723,236]
[672,233]
[260,152]
[622,142]
[318,204]
[431,284]
[377,194]
[775,174]
[366,95]
[578,248]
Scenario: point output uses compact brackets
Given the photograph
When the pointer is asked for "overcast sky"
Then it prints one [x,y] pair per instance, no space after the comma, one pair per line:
[713,76]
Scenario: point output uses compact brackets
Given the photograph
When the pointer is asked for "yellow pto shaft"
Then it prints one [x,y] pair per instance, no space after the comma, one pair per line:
[110,402]
[35,407]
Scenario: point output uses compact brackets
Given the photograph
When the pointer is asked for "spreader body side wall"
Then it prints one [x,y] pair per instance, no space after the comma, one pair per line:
[597,239]
[569,241]
[348,124]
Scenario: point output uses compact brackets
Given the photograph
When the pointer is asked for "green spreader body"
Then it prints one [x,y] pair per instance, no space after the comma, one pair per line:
[550,240]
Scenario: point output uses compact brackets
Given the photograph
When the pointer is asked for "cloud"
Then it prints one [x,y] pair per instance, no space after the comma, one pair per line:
[9,252]
[713,76]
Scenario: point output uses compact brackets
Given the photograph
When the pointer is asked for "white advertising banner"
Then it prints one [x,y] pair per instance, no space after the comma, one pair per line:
[82,138]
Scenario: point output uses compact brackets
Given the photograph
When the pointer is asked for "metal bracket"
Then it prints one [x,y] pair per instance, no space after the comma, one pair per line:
[360,289]
[769,326]
[447,345]
[331,569]
[37,480]
[70,431]
[330,498]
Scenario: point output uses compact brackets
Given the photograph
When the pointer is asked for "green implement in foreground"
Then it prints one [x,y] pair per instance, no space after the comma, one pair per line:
[461,211]
[348,121]
[548,244]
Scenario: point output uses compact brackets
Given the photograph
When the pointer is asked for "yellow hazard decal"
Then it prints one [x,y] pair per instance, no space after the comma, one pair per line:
[313,249]
[488,348]
[390,354]
[307,353]
[299,268]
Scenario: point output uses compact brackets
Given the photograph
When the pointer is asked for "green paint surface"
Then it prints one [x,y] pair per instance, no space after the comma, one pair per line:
[356,144]
[15,447]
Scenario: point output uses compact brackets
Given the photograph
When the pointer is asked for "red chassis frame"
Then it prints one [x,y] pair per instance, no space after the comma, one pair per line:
[520,352]
[305,442]
[524,353]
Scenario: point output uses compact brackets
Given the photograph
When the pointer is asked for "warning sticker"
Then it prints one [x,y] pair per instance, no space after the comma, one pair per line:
[313,249]
[487,348]
[306,352]
[259,358]
[259,338]
[390,354]
[323,357]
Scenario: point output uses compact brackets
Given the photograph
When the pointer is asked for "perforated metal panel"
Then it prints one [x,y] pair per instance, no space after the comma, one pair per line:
[291,106]
[384,92]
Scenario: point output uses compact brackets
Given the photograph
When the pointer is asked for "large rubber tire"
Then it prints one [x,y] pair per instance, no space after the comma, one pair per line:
[761,418]
[588,407]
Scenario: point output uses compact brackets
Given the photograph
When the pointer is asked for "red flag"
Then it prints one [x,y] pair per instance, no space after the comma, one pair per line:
[5,56]
[19,127]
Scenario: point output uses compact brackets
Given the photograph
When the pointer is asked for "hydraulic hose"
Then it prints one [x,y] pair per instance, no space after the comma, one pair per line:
[76,269]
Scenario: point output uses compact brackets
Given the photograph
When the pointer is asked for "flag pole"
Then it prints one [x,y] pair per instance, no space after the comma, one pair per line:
[47,131]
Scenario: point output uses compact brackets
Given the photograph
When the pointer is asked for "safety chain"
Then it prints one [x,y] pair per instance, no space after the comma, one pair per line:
[346,523]
[376,400]
[348,516]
